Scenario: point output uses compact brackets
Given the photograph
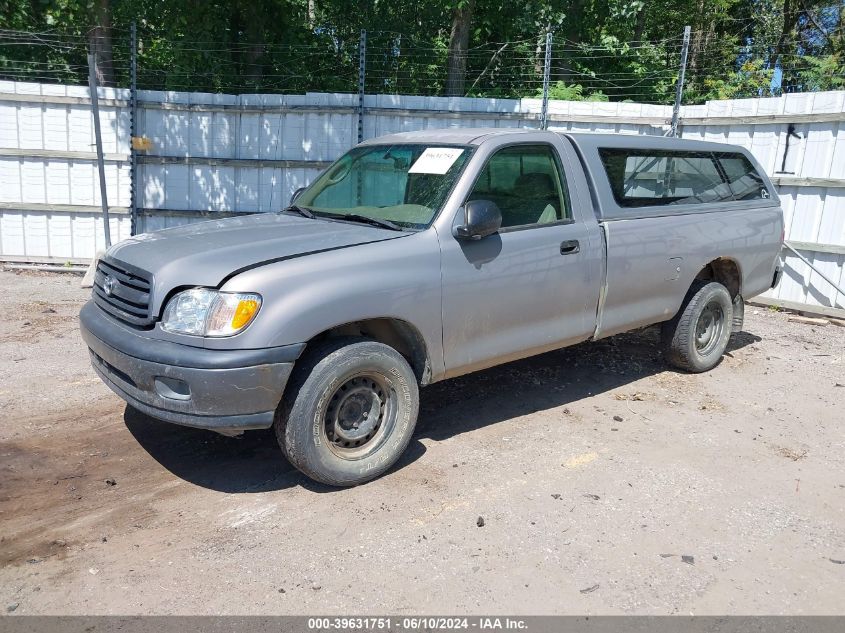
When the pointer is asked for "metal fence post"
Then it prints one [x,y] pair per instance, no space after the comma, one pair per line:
[362,74]
[133,129]
[679,88]
[547,69]
[98,139]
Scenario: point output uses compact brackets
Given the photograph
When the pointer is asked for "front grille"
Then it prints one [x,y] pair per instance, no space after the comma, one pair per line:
[128,298]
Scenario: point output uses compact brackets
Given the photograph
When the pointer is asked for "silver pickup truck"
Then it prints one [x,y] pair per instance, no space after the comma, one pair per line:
[422,256]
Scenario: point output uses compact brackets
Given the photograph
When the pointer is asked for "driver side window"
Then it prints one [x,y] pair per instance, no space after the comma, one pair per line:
[525,183]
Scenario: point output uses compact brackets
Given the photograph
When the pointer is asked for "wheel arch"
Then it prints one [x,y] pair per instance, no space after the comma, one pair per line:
[724,270]
[399,334]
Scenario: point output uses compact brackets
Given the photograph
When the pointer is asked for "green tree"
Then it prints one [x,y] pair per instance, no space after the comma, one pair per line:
[614,49]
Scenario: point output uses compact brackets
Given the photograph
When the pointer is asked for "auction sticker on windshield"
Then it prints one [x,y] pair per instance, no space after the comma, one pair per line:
[436,160]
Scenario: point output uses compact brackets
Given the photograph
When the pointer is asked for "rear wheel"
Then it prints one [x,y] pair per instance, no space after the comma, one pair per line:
[696,338]
[349,411]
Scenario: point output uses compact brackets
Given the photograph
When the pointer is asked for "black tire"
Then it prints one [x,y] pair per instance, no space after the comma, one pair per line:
[348,412]
[695,339]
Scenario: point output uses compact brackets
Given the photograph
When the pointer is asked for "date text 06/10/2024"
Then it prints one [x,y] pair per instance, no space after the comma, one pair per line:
[415,624]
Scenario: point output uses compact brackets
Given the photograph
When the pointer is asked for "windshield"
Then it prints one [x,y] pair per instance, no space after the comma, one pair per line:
[403,184]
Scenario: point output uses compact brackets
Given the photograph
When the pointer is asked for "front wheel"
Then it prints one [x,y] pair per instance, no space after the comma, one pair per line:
[696,338]
[349,412]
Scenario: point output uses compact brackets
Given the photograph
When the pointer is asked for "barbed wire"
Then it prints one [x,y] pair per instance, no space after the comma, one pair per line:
[397,63]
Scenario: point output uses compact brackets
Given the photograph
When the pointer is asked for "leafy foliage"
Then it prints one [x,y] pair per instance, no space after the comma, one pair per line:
[572,92]
[602,50]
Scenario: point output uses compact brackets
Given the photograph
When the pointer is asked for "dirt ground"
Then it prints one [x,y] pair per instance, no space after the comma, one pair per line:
[607,484]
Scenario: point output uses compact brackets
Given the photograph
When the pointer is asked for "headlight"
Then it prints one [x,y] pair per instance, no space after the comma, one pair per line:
[207,312]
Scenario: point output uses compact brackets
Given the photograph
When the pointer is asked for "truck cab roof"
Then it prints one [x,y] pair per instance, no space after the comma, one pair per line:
[477,136]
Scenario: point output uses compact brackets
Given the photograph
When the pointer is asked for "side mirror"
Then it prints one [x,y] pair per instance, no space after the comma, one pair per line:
[296,194]
[481,218]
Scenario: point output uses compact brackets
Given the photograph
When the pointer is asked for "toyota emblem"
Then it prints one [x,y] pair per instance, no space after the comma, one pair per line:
[109,284]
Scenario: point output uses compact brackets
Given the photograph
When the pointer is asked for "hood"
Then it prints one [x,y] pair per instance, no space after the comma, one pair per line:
[206,253]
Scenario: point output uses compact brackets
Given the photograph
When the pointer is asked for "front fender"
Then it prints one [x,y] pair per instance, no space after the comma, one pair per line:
[305,296]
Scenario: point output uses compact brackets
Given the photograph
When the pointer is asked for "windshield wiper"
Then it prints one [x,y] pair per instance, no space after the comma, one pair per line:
[352,217]
[364,219]
[303,211]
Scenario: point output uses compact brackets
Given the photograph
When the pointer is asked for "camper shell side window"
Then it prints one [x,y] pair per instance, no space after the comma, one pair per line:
[650,178]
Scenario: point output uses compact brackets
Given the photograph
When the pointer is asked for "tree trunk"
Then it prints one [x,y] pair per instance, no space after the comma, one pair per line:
[100,42]
[456,63]
[254,32]
[565,71]
[312,13]
[540,56]
[696,51]
[639,27]
[790,17]
[785,44]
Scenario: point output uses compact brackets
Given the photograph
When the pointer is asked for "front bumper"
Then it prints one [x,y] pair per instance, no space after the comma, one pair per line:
[222,390]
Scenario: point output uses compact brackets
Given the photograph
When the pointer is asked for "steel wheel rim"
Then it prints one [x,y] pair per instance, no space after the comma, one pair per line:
[359,415]
[709,328]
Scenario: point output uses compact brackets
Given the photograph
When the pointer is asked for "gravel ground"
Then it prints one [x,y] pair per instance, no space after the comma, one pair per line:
[607,484]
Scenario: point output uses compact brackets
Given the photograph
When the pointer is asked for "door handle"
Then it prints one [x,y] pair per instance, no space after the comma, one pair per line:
[569,247]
